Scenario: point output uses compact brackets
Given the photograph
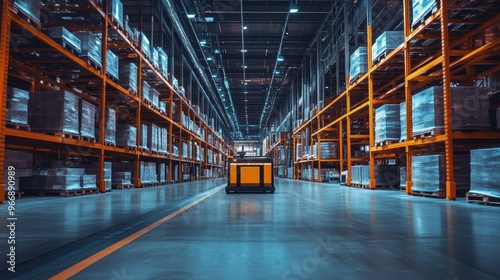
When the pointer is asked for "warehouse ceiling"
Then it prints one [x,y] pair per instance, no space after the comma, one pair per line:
[244,41]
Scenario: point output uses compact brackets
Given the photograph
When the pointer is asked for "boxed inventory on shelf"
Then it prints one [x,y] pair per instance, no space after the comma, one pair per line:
[107,173]
[162,140]
[152,137]
[128,75]
[358,63]
[122,173]
[145,47]
[484,175]
[328,150]
[91,46]
[429,173]
[64,37]
[420,9]
[109,125]
[112,65]
[30,8]
[148,172]
[385,175]
[387,123]
[163,60]
[470,109]
[54,111]
[387,41]
[402,176]
[87,113]
[59,179]
[126,135]
[146,91]
[17,106]
[402,120]
[155,59]
[144,136]
[155,97]
[116,11]
[161,170]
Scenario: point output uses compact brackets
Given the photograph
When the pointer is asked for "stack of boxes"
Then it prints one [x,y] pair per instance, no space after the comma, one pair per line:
[152,137]
[388,41]
[429,173]
[148,172]
[87,113]
[387,123]
[112,65]
[485,177]
[62,36]
[420,9]
[91,47]
[144,136]
[128,76]
[54,111]
[122,173]
[126,135]
[359,63]
[30,8]
[17,106]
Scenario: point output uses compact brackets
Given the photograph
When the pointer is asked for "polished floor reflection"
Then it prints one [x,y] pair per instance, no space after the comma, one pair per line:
[303,231]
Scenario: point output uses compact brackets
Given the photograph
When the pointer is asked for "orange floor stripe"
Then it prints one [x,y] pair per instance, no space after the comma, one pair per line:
[73,270]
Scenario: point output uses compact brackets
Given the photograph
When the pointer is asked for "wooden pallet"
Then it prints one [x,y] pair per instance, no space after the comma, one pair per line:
[144,150]
[106,143]
[70,48]
[151,184]
[94,65]
[122,187]
[18,126]
[385,143]
[112,78]
[88,139]
[131,148]
[34,22]
[64,193]
[66,135]
[429,133]
[439,194]
[482,199]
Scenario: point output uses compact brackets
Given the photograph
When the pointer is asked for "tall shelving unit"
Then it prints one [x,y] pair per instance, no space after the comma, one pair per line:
[58,68]
[442,49]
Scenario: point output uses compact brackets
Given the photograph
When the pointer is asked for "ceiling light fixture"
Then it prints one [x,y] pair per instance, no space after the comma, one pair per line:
[281,58]
[209,19]
[245,27]
[191,15]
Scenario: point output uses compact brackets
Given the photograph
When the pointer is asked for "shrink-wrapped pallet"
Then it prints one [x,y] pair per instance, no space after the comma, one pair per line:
[64,37]
[87,113]
[155,97]
[17,106]
[145,47]
[126,135]
[420,9]
[53,111]
[152,137]
[161,171]
[402,120]
[109,125]
[163,61]
[30,8]
[146,91]
[148,172]
[122,173]
[386,42]
[429,173]
[387,123]
[128,75]
[112,65]
[155,59]
[484,172]
[358,63]
[116,11]
[402,177]
[144,136]
[91,46]
[328,150]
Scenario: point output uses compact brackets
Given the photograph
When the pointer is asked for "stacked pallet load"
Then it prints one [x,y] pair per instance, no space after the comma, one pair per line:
[403,177]
[152,137]
[116,12]
[402,121]
[484,176]
[328,150]
[112,65]
[91,47]
[109,126]
[163,60]
[148,173]
[54,111]
[387,124]
[122,175]
[61,180]
[162,172]
[86,119]
[388,41]
[128,76]
[22,162]
[429,174]
[30,8]
[420,9]
[17,106]
[126,135]
[359,63]
[144,137]
[470,109]
[65,38]
[163,140]
[145,46]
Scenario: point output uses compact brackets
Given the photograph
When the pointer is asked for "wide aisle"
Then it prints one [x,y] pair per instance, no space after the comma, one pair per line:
[313,231]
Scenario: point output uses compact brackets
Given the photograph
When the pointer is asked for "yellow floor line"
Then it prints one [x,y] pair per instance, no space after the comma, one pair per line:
[71,271]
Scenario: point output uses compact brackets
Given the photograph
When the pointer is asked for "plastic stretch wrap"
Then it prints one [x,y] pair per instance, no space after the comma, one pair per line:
[155,97]
[91,46]
[144,136]
[128,75]
[175,82]
[182,90]
[152,137]
[112,65]
[356,173]
[110,128]
[402,177]
[162,140]
[126,135]
[107,175]
[122,178]
[210,157]
[328,150]
[116,11]
[429,173]
[53,111]
[89,181]
[484,172]
[298,152]
[420,9]
[146,91]
[30,8]
[148,172]
[387,41]
[470,108]
[175,150]
[155,59]
[17,106]
[163,61]
[402,120]
[161,171]
[359,63]
[387,123]
[87,118]
[146,48]
[51,182]
[365,175]
[62,36]
[162,106]
[185,151]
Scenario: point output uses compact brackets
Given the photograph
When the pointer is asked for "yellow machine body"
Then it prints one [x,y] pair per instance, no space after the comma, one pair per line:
[254,174]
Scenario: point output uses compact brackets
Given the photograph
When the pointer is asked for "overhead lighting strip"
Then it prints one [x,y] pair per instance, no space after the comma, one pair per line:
[243,51]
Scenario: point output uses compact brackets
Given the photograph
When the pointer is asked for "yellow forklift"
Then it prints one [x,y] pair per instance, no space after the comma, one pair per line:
[250,174]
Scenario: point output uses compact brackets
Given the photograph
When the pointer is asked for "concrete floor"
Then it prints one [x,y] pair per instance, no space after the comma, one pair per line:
[303,231]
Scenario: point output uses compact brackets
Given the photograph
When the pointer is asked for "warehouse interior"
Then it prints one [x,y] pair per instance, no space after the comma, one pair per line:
[122,123]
